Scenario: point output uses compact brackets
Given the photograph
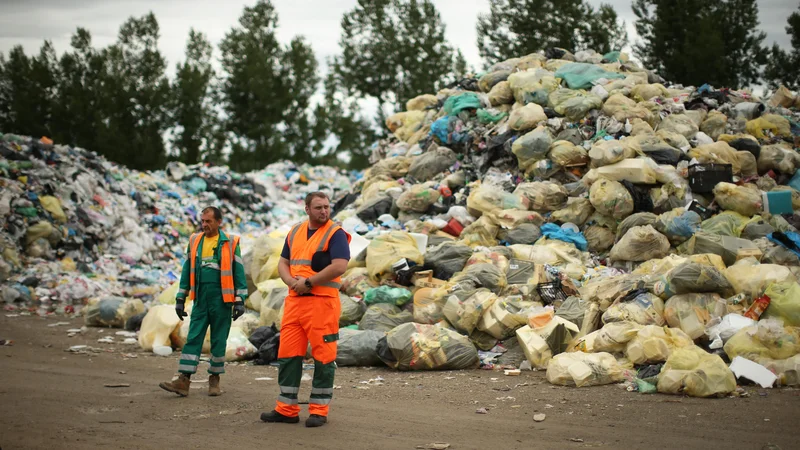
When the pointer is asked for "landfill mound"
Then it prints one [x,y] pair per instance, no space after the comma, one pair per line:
[79,229]
[571,213]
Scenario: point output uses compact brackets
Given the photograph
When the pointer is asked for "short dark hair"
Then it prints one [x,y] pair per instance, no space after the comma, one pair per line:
[215,210]
[318,194]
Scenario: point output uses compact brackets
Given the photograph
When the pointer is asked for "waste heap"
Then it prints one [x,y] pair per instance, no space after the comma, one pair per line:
[576,214]
[78,229]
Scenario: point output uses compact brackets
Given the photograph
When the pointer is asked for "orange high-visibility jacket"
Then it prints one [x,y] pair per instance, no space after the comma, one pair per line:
[227,255]
[302,250]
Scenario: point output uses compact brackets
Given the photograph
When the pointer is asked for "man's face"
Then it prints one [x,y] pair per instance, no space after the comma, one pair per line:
[210,224]
[319,210]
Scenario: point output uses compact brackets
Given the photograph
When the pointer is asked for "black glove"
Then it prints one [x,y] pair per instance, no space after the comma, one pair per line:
[179,310]
[238,310]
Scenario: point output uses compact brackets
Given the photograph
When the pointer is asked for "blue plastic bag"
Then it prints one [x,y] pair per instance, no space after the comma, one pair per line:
[553,231]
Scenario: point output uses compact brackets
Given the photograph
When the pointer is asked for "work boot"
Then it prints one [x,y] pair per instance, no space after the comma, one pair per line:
[315,420]
[213,386]
[179,386]
[275,417]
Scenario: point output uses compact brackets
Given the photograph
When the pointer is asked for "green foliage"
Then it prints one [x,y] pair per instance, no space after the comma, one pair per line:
[515,28]
[782,66]
[701,41]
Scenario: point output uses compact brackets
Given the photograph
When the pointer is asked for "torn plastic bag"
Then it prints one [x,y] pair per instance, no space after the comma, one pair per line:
[383,317]
[387,249]
[725,246]
[431,163]
[513,218]
[352,310]
[678,225]
[532,147]
[526,234]
[640,244]
[694,372]
[481,233]
[654,344]
[787,370]
[726,223]
[112,312]
[640,307]
[238,347]
[746,200]
[426,347]
[605,290]
[543,195]
[429,305]
[691,277]
[728,326]
[613,338]
[692,312]
[599,239]
[358,348]
[584,369]
[464,315]
[540,344]
[610,198]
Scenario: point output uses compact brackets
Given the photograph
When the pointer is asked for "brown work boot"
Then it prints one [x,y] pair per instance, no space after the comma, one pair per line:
[213,386]
[179,386]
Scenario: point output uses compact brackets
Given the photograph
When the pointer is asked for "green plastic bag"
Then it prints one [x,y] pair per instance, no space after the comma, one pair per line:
[487,116]
[583,76]
[387,294]
[458,103]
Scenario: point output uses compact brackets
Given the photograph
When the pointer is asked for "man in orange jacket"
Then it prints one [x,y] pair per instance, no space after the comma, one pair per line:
[313,260]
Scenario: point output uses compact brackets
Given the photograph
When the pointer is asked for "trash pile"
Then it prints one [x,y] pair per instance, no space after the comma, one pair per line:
[82,234]
[561,212]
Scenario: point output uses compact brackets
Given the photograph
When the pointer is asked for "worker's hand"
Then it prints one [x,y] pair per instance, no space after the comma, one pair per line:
[238,310]
[300,286]
[179,306]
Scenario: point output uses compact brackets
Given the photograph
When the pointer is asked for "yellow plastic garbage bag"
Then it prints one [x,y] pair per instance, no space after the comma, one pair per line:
[413,346]
[719,153]
[611,338]
[640,244]
[567,154]
[654,344]
[481,233]
[692,312]
[696,373]
[604,153]
[488,199]
[158,325]
[773,123]
[464,315]
[532,147]
[577,211]
[644,309]
[417,199]
[784,302]
[513,218]
[541,343]
[714,125]
[778,157]
[767,339]
[622,108]
[501,94]
[749,277]
[238,346]
[421,102]
[585,369]
[53,206]
[543,195]
[610,198]
[387,249]
[273,295]
[356,282]
[644,92]
[168,296]
[265,258]
[681,124]
[505,316]
[746,200]
[526,117]
[112,312]
[183,332]
[405,124]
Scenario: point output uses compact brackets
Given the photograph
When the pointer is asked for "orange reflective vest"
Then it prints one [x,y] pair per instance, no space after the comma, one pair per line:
[227,255]
[301,251]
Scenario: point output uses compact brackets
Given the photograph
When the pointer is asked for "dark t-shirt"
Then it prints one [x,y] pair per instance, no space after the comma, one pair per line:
[338,247]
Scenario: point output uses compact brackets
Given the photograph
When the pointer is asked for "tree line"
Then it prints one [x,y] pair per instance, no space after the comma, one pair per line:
[271,101]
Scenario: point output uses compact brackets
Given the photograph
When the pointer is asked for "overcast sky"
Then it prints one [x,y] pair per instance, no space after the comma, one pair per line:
[29,22]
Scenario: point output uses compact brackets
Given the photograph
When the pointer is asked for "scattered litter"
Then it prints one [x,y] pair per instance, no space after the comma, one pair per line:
[539,417]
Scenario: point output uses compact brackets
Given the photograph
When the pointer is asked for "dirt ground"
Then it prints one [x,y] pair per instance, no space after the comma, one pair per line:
[54,399]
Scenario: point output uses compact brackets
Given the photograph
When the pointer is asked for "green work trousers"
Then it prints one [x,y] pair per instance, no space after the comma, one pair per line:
[208,310]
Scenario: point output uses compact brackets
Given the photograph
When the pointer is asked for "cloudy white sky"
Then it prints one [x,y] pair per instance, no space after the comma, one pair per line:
[29,22]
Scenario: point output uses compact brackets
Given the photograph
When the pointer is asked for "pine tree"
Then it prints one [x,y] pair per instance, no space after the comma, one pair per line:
[516,28]
[700,41]
[29,87]
[782,66]
[301,138]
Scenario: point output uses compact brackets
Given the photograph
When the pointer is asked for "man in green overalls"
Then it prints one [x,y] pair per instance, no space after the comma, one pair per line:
[213,276]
